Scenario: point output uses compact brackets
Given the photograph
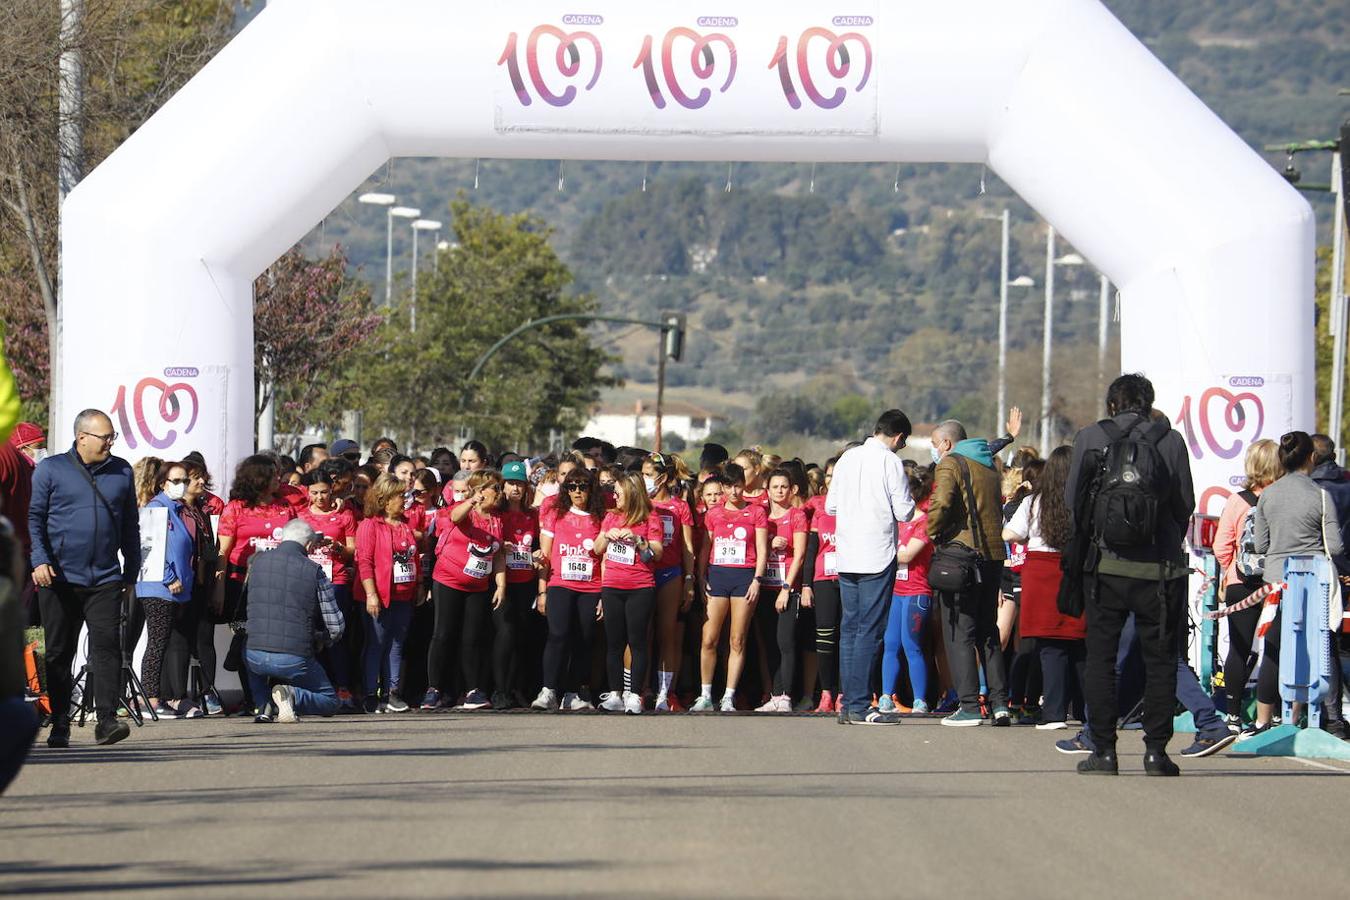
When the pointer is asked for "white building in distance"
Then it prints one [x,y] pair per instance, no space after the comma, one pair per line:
[634,424]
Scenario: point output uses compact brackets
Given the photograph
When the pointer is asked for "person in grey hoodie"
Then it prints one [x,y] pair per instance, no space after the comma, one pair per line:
[1294,517]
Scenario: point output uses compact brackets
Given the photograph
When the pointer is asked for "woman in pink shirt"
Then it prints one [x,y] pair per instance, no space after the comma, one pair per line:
[1262,468]
[389,565]
[630,545]
[788,526]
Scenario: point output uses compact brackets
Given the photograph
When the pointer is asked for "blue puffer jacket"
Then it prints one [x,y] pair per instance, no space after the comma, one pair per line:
[76,532]
[178,553]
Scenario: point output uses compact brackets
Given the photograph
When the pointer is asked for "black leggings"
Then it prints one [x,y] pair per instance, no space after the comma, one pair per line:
[165,622]
[1241,641]
[508,645]
[1268,678]
[462,615]
[825,599]
[628,616]
[778,638]
[571,630]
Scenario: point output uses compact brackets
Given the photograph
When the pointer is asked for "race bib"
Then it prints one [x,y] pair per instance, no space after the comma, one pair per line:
[667,529]
[831,563]
[403,571]
[478,566]
[622,553]
[325,562]
[261,544]
[901,572]
[728,552]
[518,557]
[776,572]
[577,568]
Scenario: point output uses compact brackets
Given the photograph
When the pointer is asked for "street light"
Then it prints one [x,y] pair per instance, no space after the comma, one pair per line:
[378,199]
[402,212]
[419,225]
[1070,259]
[1003,285]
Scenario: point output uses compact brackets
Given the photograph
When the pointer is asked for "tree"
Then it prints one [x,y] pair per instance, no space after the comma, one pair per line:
[502,273]
[308,317]
[134,55]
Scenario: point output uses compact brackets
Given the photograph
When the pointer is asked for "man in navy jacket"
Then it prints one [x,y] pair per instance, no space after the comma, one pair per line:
[81,516]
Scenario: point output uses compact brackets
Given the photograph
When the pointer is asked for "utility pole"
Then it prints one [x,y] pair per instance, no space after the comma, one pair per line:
[1048,350]
[1103,310]
[70,166]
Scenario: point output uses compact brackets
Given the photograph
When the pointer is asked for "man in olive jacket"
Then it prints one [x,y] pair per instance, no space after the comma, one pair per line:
[972,615]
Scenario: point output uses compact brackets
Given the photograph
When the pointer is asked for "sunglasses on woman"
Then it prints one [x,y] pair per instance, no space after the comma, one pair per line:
[578,486]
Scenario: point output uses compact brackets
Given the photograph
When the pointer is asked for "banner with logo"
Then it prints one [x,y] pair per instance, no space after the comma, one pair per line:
[773,70]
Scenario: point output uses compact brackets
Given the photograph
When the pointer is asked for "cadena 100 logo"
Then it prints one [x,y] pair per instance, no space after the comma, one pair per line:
[1248,381]
[147,411]
[825,67]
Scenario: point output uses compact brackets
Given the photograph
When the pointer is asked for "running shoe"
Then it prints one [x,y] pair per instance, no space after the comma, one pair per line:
[804,705]
[920,707]
[576,702]
[963,719]
[110,731]
[948,703]
[547,699]
[877,717]
[886,705]
[1099,764]
[283,695]
[213,707]
[662,703]
[900,707]
[476,699]
[346,703]
[1051,726]
[632,703]
[1072,745]
[728,704]
[703,704]
[1253,730]
[395,704]
[262,718]
[1233,723]
[189,710]
[780,704]
[612,702]
[371,704]
[826,702]
[676,706]
[163,710]
[431,699]
[1002,718]
[1209,744]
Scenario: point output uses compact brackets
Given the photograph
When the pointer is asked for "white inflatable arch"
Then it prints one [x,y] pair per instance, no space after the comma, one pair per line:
[1205,241]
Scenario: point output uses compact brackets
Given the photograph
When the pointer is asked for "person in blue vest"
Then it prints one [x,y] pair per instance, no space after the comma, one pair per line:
[292,613]
[82,515]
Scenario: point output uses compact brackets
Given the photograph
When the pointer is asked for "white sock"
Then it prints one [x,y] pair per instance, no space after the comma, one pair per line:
[707,691]
[665,679]
[729,694]
[627,681]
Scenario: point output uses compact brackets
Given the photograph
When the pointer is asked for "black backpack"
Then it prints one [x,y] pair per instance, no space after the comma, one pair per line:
[1132,487]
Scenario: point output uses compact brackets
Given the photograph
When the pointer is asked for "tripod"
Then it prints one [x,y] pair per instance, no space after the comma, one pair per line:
[130,691]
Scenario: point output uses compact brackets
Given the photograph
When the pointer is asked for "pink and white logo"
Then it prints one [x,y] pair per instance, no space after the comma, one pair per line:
[567,65]
[821,54]
[707,54]
[149,410]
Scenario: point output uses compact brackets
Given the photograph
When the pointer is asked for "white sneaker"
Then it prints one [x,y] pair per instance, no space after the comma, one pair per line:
[632,703]
[612,701]
[662,703]
[1051,726]
[702,704]
[780,704]
[547,699]
[728,704]
[283,695]
[575,702]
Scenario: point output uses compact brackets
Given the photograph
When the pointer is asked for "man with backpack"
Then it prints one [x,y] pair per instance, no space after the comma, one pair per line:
[1131,496]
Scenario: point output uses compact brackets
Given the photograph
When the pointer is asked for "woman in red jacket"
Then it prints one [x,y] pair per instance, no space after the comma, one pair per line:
[388,564]
[469,569]
[630,543]
[1042,522]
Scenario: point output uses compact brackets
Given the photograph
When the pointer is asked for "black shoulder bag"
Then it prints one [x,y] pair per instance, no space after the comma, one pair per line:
[955,567]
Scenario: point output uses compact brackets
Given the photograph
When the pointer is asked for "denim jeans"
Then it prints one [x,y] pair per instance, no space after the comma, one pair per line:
[863,600]
[384,647]
[314,695]
[1208,722]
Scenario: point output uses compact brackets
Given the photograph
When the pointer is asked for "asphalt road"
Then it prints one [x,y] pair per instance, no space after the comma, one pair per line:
[566,804]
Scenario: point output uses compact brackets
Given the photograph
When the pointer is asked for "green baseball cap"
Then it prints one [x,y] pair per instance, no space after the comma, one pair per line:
[514,471]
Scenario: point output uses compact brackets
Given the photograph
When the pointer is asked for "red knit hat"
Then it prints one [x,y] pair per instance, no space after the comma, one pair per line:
[26,433]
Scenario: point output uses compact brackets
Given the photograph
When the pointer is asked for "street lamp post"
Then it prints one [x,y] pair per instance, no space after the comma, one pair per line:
[385,200]
[419,225]
[402,212]
[1004,284]
[1071,259]
[1103,310]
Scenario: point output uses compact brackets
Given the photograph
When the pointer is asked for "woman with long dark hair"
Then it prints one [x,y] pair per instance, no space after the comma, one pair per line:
[337,556]
[200,629]
[820,591]
[166,599]
[1293,517]
[1042,522]
[777,616]
[674,571]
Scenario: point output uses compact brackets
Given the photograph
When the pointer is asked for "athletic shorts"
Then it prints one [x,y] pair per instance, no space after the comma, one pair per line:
[1011,584]
[667,575]
[725,581]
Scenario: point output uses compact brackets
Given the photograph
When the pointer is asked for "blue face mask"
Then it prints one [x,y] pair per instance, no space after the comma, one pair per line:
[937,457]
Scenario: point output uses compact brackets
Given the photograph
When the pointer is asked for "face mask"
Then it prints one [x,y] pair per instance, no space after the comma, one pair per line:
[650,483]
[549,490]
[937,457]
[175,491]
[36,454]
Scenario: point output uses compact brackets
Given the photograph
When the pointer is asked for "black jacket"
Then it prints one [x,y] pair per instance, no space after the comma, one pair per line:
[1331,478]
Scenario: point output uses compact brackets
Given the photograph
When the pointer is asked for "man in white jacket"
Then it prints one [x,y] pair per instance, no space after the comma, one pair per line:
[869,494]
